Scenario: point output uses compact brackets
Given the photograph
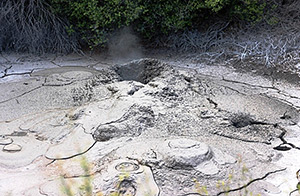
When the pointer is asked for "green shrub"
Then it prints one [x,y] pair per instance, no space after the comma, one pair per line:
[249,10]
[96,20]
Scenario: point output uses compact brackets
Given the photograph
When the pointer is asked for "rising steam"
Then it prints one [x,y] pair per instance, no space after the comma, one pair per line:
[124,46]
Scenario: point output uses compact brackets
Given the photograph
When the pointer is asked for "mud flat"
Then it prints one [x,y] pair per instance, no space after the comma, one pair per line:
[145,127]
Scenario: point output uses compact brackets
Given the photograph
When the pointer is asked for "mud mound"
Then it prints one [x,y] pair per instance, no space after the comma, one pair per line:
[132,123]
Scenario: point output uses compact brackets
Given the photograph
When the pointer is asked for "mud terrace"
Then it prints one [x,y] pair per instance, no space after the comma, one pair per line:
[146,127]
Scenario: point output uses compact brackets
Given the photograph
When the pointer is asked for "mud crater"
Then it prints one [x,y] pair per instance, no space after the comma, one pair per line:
[143,70]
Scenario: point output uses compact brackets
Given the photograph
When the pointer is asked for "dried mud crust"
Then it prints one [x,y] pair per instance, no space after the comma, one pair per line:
[196,105]
[179,124]
[277,73]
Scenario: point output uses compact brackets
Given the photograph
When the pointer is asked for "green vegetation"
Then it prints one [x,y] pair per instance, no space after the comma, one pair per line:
[40,26]
[95,20]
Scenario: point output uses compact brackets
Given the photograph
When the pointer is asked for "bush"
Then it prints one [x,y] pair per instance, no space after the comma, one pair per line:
[51,25]
[96,20]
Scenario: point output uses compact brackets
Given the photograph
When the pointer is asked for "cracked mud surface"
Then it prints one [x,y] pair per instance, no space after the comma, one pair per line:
[146,127]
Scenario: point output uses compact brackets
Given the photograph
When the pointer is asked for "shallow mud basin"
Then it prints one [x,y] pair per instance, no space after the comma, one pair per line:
[147,127]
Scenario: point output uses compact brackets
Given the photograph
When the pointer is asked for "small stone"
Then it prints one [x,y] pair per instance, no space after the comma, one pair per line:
[5,140]
[12,148]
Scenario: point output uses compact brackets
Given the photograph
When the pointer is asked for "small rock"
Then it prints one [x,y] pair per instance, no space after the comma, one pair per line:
[5,140]
[12,148]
